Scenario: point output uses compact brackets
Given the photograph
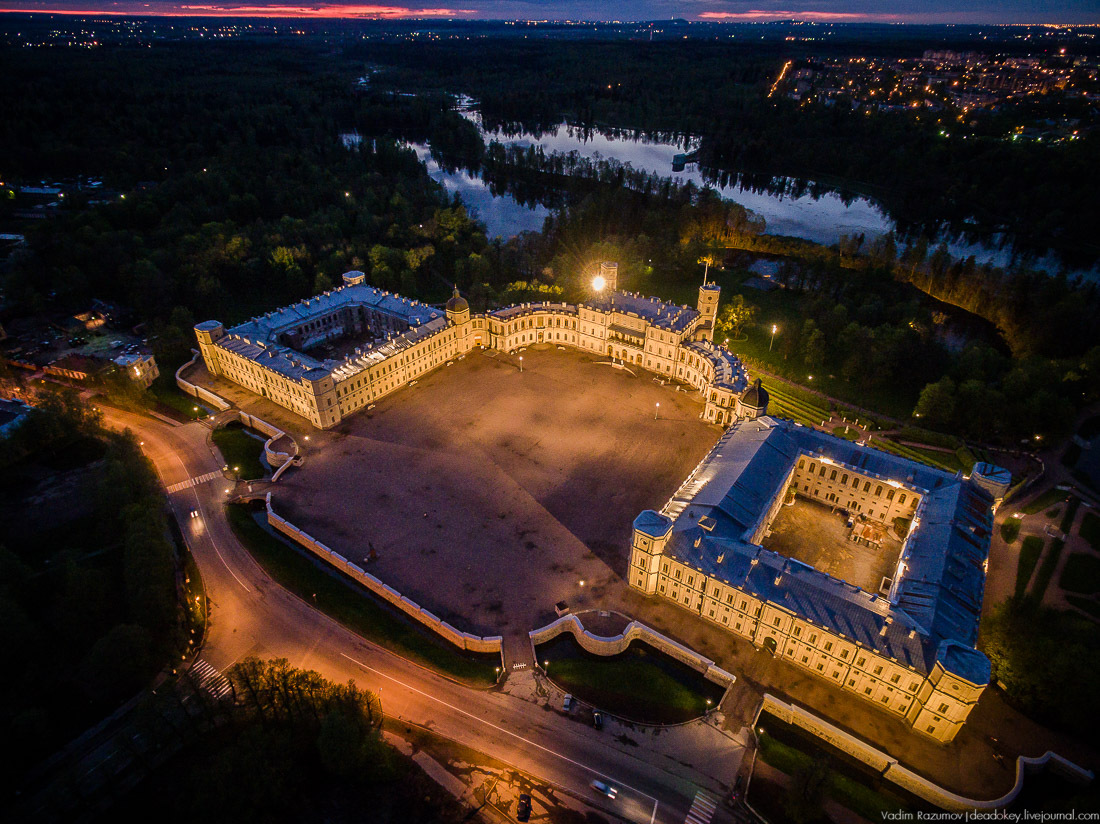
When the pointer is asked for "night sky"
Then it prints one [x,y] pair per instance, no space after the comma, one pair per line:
[883,11]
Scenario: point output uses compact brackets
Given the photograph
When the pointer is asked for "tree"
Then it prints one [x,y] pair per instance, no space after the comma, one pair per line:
[735,316]
[813,344]
[936,406]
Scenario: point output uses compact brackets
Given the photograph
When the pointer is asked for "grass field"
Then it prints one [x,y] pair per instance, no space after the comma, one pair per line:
[1090,529]
[240,450]
[1050,497]
[946,461]
[1081,574]
[1010,530]
[165,392]
[1046,570]
[802,407]
[1089,605]
[641,684]
[788,752]
[1029,557]
[357,608]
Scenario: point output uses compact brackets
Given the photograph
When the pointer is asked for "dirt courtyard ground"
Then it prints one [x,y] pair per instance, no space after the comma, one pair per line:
[490,494]
[808,531]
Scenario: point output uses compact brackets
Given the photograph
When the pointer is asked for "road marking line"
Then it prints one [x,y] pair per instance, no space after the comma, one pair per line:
[481,720]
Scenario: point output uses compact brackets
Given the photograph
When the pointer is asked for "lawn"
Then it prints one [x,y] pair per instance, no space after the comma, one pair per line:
[165,392]
[947,461]
[1070,513]
[1089,605]
[788,751]
[1090,529]
[1046,570]
[357,608]
[641,684]
[240,450]
[1010,530]
[1081,574]
[1050,497]
[1029,557]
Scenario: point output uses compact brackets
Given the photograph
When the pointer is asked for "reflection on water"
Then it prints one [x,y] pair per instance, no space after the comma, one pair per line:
[818,216]
[500,213]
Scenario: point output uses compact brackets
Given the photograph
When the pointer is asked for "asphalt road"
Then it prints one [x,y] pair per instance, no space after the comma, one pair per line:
[252,615]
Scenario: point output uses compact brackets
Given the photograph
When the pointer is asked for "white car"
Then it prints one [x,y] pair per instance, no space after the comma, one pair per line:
[605,789]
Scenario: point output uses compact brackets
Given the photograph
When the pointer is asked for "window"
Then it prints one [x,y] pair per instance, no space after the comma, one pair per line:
[802,463]
[861,661]
[878,490]
[931,728]
[878,670]
[828,646]
[867,691]
[797,632]
[678,574]
[844,478]
[901,498]
[822,472]
[851,682]
[813,467]
[805,659]
[866,486]
[889,494]
[895,679]
[813,638]
[821,667]
[832,475]
[943,708]
[776,620]
[844,653]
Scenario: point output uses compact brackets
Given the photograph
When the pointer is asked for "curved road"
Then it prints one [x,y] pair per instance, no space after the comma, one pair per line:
[250,614]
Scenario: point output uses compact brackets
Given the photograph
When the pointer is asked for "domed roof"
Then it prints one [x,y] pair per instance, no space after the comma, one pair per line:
[756,396]
[457,303]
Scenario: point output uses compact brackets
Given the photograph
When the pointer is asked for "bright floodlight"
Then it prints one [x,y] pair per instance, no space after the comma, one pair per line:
[598,283]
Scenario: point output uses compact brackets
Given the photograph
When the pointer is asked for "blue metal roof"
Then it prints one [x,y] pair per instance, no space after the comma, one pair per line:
[937,599]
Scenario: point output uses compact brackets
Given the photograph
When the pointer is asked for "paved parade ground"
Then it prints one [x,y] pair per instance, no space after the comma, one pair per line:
[489,494]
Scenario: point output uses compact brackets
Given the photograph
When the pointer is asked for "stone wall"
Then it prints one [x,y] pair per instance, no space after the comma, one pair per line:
[462,640]
[905,778]
[635,631]
[204,395]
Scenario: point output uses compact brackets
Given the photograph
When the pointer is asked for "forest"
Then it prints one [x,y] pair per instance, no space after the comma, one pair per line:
[88,594]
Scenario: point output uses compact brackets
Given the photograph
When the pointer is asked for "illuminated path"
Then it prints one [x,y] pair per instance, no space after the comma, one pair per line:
[252,615]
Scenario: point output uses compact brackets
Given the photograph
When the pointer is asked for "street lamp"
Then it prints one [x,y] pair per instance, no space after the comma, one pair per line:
[770,342]
[598,283]
[521,363]
[656,409]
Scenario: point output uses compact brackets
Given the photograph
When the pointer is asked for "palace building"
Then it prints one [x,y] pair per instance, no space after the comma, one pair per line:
[333,354]
[904,643]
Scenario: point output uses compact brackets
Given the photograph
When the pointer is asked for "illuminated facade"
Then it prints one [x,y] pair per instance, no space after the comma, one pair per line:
[909,648]
[290,357]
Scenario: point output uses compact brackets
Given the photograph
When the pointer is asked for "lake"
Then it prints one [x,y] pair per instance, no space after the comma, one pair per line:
[821,218]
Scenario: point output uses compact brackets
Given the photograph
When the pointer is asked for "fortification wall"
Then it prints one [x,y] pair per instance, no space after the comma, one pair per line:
[462,640]
[905,778]
[635,631]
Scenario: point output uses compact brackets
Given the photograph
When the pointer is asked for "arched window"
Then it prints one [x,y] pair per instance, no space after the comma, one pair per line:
[878,491]
[832,475]
[901,498]
[844,478]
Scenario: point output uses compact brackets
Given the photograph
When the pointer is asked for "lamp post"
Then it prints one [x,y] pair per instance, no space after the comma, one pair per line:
[770,342]
[656,409]
[521,363]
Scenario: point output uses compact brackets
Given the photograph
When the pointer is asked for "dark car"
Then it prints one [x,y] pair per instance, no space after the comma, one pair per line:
[597,720]
[523,810]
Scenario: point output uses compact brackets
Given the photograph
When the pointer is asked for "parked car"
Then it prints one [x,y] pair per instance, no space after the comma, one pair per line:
[597,720]
[523,809]
[567,702]
[605,789]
